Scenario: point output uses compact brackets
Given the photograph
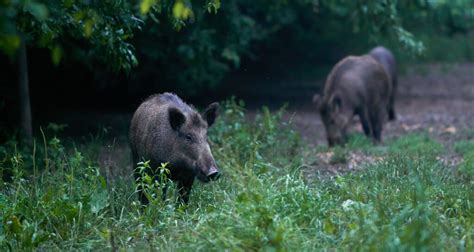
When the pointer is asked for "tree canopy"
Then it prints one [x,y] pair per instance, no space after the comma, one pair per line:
[98,29]
[195,43]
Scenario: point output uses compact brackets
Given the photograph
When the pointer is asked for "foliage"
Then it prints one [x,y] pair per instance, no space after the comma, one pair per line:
[300,33]
[106,27]
[191,46]
[407,201]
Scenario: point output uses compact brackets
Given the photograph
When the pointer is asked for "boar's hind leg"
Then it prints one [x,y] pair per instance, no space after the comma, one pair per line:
[184,189]
[391,109]
[364,120]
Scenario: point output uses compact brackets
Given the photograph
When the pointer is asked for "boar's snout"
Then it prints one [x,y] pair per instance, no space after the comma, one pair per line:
[206,167]
[213,173]
[209,175]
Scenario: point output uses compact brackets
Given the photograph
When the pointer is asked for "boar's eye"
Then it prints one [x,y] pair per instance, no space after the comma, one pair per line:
[189,138]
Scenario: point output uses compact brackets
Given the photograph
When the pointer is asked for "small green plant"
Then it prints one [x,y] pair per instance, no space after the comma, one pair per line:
[153,181]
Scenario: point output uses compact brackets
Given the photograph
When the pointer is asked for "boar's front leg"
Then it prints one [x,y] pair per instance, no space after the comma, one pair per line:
[365,121]
[184,189]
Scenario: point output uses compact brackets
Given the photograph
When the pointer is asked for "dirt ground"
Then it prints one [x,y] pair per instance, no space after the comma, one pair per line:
[436,98]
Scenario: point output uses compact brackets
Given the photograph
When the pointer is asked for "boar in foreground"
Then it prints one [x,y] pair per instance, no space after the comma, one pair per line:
[386,59]
[166,129]
[355,86]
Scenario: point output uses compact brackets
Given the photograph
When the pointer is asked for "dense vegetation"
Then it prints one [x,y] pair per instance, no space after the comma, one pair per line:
[61,198]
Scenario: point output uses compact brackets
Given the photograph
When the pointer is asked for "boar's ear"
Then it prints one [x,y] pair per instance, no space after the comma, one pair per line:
[336,103]
[176,118]
[210,114]
[317,100]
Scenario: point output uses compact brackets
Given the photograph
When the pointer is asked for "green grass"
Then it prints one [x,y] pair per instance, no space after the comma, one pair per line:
[60,199]
[465,148]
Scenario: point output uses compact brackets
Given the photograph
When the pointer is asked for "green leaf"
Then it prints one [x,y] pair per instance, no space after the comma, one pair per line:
[213,6]
[38,10]
[181,11]
[103,183]
[56,54]
[9,43]
[14,225]
[88,28]
[146,5]
[98,201]
[231,55]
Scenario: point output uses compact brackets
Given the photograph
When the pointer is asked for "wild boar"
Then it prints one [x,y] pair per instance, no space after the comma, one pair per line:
[166,129]
[387,60]
[357,85]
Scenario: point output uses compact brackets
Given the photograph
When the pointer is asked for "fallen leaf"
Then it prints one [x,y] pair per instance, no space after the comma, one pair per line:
[411,127]
[451,130]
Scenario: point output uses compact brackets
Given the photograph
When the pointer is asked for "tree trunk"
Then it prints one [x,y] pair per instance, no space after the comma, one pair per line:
[24,94]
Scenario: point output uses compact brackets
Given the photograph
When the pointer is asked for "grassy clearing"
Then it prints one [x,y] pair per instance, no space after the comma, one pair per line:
[59,198]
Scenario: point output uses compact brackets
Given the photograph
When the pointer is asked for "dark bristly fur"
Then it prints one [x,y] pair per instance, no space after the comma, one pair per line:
[387,60]
[356,86]
[166,129]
